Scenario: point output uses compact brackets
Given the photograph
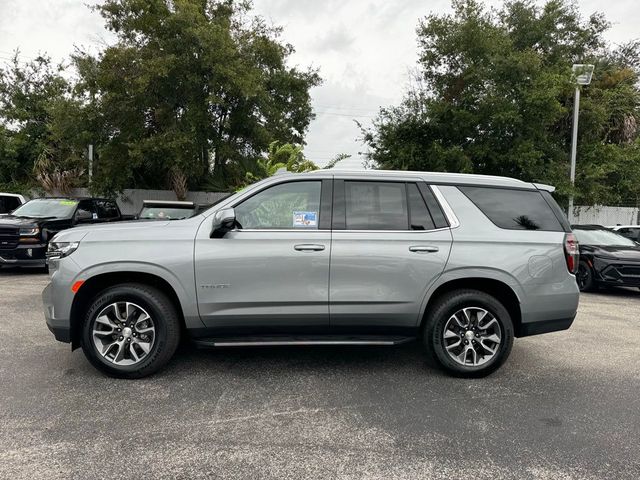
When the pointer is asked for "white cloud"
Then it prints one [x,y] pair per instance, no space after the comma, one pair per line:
[364,49]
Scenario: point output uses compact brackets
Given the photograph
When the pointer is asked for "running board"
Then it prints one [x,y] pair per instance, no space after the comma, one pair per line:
[282,340]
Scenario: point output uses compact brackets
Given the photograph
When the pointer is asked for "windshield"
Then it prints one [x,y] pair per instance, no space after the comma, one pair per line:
[47,207]
[603,238]
[165,213]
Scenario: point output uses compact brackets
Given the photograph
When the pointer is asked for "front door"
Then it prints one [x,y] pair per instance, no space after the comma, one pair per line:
[387,248]
[271,273]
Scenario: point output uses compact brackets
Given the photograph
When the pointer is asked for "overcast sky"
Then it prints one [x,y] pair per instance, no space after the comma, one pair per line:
[364,50]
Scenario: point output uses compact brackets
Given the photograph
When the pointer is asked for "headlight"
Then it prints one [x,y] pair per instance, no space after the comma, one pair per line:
[29,232]
[61,249]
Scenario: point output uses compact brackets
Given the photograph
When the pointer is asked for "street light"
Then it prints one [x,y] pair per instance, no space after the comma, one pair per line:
[582,74]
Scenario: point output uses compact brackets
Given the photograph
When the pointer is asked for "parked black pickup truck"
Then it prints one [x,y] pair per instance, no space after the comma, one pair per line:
[25,233]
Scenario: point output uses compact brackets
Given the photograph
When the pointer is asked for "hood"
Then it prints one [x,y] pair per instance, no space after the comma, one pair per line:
[76,234]
[20,222]
[621,253]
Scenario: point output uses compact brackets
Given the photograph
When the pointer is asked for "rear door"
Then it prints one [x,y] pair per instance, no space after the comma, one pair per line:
[390,242]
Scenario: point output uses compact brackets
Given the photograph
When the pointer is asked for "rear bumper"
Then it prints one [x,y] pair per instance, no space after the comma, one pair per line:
[549,307]
[545,326]
[27,255]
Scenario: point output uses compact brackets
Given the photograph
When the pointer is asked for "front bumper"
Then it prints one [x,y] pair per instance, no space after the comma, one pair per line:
[617,273]
[26,255]
[60,327]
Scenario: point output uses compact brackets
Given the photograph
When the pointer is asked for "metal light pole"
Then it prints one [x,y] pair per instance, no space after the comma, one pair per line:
[583,74]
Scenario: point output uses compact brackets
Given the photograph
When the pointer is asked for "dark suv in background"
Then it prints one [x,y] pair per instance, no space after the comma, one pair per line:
[25,233]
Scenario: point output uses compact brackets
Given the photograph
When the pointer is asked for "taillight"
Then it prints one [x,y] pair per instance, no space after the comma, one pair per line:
[571,252]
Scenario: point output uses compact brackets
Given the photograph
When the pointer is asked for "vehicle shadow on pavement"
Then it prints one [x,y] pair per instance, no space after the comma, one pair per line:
[626,292]
[23,271]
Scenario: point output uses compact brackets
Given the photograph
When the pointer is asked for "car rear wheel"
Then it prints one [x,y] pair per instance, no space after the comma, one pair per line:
[584,277]
[130,331]
[469,333]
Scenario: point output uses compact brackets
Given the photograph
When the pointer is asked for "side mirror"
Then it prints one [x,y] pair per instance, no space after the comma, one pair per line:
[83,216]
[223,221]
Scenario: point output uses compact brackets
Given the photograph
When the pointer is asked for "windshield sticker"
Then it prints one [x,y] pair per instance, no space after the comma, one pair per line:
[305,219]
[68,202]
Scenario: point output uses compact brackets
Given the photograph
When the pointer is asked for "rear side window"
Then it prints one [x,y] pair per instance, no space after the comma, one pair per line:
[419,217]
[376,206]
[514,209]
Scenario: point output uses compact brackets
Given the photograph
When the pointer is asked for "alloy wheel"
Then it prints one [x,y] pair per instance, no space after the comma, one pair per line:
[123,333]
[472,336]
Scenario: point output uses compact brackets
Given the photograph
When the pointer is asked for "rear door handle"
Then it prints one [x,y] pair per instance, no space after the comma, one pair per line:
[423,249]
[309,247]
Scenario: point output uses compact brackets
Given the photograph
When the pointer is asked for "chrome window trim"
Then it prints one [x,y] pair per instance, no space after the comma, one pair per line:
[446,208]
[238,230]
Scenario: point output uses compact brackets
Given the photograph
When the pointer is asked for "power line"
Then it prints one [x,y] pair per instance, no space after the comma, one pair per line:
[322,112]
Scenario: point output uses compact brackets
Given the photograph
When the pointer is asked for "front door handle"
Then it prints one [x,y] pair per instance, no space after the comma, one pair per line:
[309,247]
[423,249]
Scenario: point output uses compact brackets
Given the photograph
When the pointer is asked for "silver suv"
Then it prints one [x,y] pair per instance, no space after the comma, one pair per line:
[464,263]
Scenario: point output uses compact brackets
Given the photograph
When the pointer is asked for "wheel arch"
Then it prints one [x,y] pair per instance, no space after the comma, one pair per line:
[98,283]
[492,286]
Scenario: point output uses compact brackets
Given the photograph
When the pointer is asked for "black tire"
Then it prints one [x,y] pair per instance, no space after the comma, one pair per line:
[165,319]
[439,314]
[585,278]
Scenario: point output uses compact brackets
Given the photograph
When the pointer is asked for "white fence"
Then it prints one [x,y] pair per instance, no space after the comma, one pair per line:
[607,216]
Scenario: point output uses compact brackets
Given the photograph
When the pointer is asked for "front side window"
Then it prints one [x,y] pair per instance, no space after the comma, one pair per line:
[293,205]
[106,209]
[376,206]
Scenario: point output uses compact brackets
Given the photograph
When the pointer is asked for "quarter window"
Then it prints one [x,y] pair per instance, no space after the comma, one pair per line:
[293,205]
[514,209]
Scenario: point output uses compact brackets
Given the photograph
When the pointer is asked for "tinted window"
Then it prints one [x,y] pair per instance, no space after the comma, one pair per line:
[376,206]
[434,207]
[7,204]
[294,205]
[629,232]
[514,209]
[420,219]
[107,209]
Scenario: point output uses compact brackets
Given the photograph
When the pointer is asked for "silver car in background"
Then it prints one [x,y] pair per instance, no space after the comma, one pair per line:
[464,263]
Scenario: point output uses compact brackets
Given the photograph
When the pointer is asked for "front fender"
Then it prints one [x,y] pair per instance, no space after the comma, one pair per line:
[184,289]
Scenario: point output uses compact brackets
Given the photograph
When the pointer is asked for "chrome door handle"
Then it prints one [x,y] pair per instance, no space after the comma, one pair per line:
[309,247]
[423,249]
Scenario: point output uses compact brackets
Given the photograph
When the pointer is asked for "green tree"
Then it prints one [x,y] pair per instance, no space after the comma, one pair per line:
[39,119]
[280,157]
[193,90]
[493,94]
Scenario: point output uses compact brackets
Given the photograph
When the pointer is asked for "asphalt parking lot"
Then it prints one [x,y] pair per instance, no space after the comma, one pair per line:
[566,405]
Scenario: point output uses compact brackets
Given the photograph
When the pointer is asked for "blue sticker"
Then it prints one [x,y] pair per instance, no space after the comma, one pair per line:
[305,219]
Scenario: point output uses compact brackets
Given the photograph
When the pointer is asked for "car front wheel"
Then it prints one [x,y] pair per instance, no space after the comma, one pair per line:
[469,333]
[130,331]
[584,277]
